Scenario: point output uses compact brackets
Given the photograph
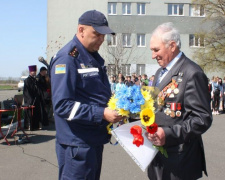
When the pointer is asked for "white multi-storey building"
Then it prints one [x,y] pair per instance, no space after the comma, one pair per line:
[133,21]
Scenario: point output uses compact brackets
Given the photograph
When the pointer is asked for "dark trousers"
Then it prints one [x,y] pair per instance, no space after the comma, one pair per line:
[216,100]
[31,119]
[79,163]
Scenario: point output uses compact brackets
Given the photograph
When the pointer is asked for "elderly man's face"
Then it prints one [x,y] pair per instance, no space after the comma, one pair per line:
[160,51]
[92,40]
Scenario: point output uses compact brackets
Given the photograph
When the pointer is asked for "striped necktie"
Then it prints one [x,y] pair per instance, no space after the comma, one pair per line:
[160,76]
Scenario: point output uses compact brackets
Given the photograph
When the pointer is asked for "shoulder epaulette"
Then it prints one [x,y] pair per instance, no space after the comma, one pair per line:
[74,52]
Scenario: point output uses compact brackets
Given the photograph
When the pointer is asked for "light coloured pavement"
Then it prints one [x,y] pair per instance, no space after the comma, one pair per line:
[37,160]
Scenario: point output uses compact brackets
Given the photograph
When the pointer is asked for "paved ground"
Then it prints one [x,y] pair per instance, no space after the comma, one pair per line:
[37,160]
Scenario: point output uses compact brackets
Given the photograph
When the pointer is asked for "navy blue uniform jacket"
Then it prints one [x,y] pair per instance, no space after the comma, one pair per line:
[80,92]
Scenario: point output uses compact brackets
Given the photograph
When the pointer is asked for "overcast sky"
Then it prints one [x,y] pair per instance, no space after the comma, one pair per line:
[23,35]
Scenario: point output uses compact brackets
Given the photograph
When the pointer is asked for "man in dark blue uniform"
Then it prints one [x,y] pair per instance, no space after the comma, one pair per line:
[80,93]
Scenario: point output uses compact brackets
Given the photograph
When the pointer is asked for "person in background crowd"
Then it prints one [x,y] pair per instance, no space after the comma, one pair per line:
[129,82]
[49,102]
[210,91]
[119,84]
[145,79]
[32,94]
[209,86]
[41,78]
[215,96]
[125,80]
[114,78]
[211,81]
[223,94]
[138,83]
[120,75]
[80,93]
[143,84]
[151,79]
[112,84]
[134,78]
[220,82]
[189,115]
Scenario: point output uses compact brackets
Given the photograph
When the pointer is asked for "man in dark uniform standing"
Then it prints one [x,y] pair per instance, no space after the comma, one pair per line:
[80,93]
[185,112]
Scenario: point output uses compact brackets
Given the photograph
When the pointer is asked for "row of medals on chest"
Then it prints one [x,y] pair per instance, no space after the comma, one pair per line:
[172,109]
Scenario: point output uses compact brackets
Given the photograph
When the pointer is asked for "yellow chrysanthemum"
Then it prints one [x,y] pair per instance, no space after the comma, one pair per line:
[112,103]
[147,117]
[109,128]
[146,95]
[148,105]
[123,112]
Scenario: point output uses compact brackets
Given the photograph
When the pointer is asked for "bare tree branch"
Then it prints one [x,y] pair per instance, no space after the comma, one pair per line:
[213,53]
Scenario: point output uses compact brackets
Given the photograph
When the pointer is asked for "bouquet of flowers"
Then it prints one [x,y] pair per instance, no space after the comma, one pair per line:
[141,101]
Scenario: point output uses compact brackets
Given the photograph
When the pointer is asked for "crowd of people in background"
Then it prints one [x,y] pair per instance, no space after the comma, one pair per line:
[116,81]
[217,90]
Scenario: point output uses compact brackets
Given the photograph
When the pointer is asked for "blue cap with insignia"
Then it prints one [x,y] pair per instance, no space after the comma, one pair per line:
[97,20]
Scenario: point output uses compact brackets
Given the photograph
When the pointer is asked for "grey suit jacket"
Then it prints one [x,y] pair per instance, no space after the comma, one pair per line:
[184,144]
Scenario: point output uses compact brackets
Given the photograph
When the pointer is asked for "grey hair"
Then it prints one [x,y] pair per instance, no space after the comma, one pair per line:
[168,33]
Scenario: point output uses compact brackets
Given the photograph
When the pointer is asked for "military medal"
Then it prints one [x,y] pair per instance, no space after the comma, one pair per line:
[180,77]
[172,114]
[167,111]
[180,74]
[173,87]
[178,113]
[169,91]
[179,80]
[176,91]
[173,109]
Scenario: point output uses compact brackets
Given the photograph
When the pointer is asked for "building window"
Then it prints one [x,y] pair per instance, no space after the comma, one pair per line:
[126,8]
[176,9]
[126,69]
[126,40]
[111,8]
[140,69]
[196,40]
[111,40]
[141,40]
[197,10]
[140,8]
[111,69]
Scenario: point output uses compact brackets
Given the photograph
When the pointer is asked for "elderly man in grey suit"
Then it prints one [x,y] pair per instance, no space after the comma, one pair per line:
[184,110]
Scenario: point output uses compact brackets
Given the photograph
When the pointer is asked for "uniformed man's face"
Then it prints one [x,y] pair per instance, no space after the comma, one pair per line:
[160,51]
[91,39]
